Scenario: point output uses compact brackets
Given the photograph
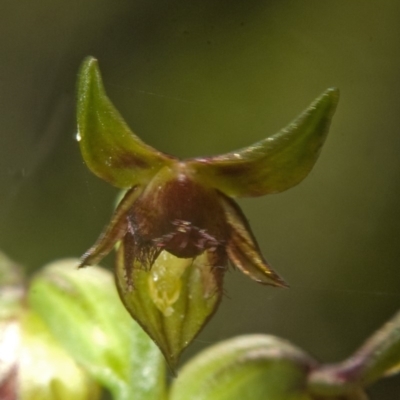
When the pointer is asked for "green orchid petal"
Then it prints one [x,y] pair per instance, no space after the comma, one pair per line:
[113,232]
[173,300]
[276,163]
[254,367]
[243,250]
[83,311]
[108,146]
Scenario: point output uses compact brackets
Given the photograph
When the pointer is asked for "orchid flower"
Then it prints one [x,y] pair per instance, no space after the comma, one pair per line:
[177,226]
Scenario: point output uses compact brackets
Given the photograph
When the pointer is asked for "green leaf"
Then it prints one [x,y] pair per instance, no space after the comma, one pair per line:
[276,163]
[83,311]
[110,149]
[45,370]
[173,300]
[254,367]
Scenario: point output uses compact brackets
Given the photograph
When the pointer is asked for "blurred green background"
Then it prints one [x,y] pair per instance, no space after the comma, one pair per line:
[202,78]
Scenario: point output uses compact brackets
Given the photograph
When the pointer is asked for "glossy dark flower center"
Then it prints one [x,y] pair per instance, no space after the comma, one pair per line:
[176,214]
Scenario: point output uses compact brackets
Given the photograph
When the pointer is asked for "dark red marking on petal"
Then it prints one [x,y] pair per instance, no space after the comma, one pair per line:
[128,160]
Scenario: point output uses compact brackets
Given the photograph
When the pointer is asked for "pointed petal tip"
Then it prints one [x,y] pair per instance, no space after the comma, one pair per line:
[333,91]
[172,367]
[332,94]
[87,260]
[276,163]
[89,62]
[88,67]
[282,284]
[275,281]
[82,262]
[109,148]
[90,59]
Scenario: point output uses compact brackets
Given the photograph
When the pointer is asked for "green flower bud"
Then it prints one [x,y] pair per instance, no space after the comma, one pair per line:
[45,370]
[171,301]
[33,364]
[83,311]
[254,367]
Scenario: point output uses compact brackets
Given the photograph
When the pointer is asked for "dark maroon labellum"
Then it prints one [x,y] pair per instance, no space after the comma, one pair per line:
[178,215]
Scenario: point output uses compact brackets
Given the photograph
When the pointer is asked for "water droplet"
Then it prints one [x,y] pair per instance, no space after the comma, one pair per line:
[78,136]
